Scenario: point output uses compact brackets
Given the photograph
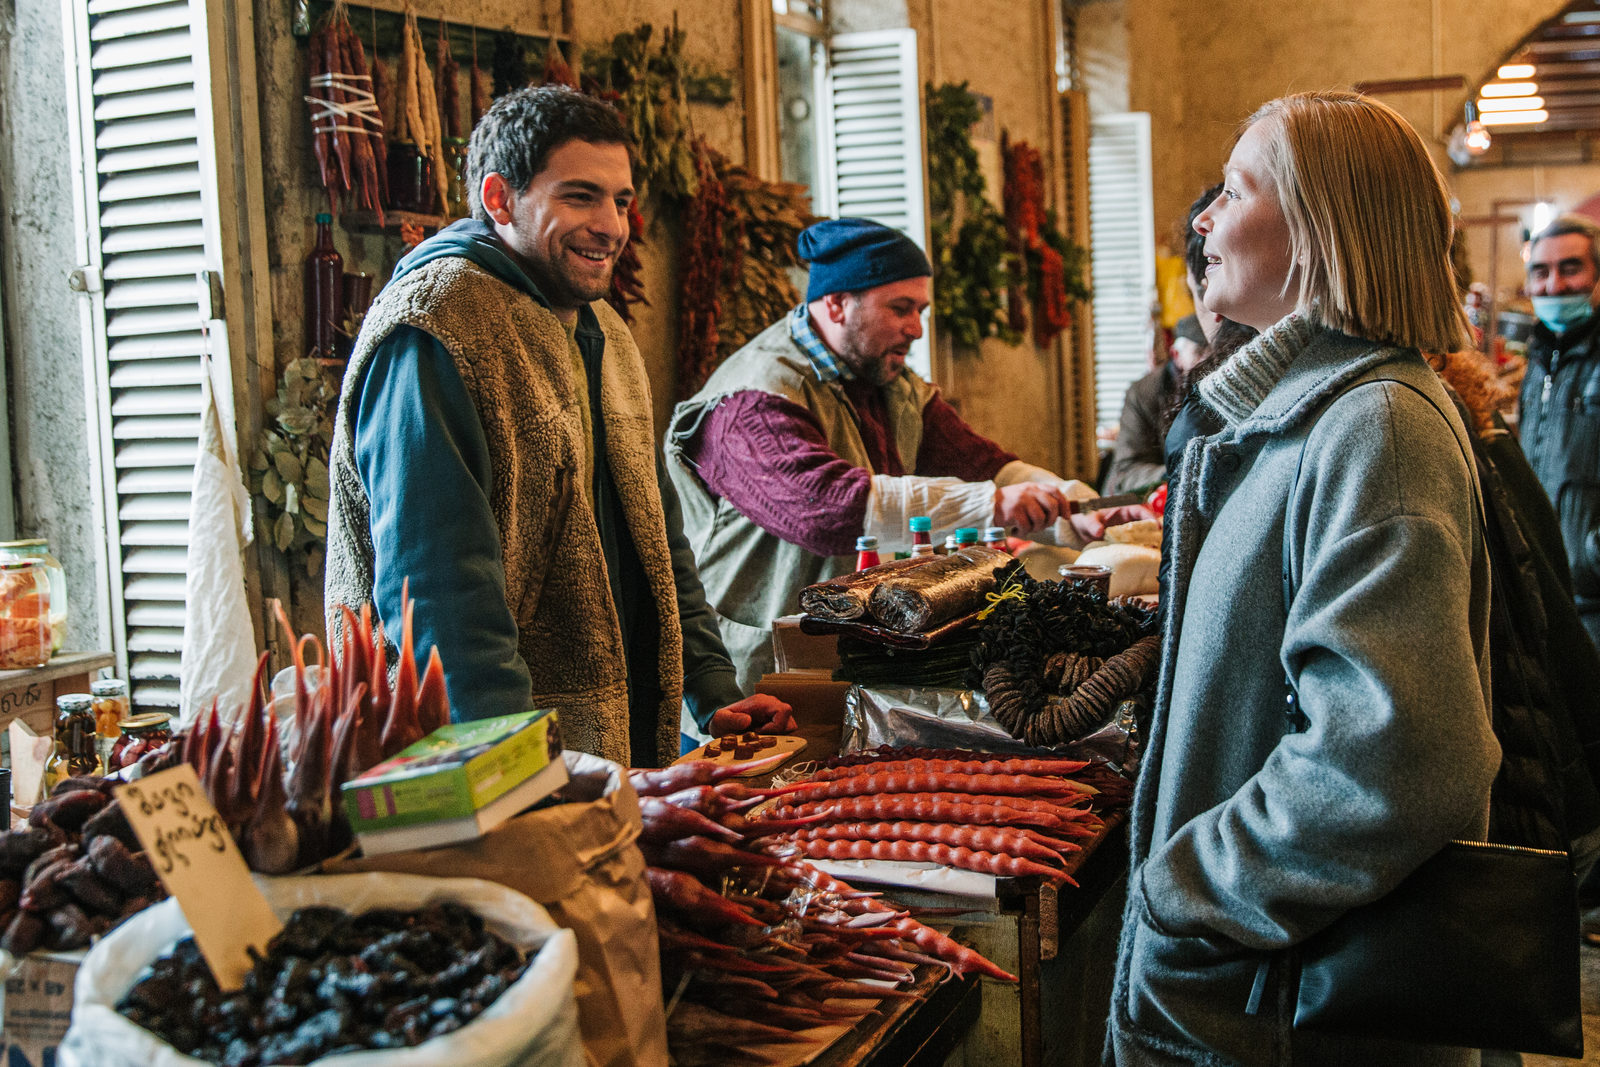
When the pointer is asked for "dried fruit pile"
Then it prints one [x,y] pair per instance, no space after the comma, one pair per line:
[1054,659]
[329,983]
[74,872]
[756,946]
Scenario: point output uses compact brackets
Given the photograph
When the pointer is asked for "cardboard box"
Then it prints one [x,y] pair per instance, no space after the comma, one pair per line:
[36,1008]
[793,650]
[456,772]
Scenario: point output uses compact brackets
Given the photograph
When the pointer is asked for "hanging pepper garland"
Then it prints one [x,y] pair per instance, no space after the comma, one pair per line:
[1046,269]
[700,271]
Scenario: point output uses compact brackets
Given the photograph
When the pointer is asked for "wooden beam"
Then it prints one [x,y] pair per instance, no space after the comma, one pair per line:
[1444,83]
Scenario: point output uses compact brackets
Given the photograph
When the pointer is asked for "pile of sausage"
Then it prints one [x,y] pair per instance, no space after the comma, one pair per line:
[1006,817]
[756,947]
[73,872]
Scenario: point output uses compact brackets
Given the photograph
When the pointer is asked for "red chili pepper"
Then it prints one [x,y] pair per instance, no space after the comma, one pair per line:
[1158,499]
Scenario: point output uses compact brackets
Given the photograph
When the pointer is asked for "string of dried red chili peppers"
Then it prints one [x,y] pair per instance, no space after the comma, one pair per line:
[1037,270]
[699,271]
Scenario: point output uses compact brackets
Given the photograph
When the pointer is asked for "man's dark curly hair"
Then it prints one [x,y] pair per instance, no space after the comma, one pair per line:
[519,131]
[1194,244]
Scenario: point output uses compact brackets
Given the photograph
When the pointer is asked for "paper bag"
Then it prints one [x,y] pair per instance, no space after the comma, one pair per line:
[581,861]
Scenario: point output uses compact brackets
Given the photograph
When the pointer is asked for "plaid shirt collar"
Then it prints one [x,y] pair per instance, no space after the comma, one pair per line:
[823,361]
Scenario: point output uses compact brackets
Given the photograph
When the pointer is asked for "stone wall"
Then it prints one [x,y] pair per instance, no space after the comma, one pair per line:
[44,373]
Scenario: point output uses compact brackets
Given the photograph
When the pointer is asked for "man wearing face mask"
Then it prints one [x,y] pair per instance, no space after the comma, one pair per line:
[1560,401]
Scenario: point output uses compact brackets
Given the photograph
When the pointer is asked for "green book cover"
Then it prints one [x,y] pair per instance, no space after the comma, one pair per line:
[453,772]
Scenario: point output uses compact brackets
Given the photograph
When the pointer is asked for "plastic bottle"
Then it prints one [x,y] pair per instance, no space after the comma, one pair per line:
[951,545]
[966,535]
[995,537]
[923,550]
[324,291]
[866,552]
[921,532]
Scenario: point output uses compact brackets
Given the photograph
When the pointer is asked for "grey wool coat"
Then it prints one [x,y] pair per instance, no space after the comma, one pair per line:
[1247,837]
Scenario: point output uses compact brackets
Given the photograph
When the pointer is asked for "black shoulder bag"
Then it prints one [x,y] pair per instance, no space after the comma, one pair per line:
[1476,948]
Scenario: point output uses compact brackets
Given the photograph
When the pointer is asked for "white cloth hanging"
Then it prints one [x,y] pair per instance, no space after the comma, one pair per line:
[219,647]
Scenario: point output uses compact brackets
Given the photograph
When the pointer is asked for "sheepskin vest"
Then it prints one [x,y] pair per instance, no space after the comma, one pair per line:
[751,576]
[512,355]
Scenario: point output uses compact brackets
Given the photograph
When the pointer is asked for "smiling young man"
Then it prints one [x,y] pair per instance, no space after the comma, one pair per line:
[494,445]
[1560,401]
[816,432]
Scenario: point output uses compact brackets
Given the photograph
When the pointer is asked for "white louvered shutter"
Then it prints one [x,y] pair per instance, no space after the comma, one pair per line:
[149,250]
[1123,255]
[871,137]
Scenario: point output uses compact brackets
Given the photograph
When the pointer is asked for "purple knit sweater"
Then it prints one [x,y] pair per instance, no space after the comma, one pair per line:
[767,456]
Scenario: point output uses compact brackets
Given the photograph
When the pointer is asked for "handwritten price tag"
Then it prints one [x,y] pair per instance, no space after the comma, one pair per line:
[199,864]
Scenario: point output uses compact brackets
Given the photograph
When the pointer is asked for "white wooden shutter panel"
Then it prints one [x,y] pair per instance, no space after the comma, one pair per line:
[871,140]
[148,241]
[1123,258]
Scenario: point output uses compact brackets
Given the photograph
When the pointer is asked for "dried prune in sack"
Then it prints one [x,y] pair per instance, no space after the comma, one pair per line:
[289,1017]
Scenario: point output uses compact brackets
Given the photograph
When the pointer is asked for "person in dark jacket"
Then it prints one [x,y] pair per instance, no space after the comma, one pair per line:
[1138,459]
[1560,402]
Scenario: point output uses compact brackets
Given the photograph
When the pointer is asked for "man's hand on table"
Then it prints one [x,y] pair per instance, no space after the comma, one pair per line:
[762,713]
[1091,525]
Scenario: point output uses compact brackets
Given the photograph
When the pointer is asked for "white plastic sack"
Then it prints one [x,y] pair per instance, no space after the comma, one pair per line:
[534,1023]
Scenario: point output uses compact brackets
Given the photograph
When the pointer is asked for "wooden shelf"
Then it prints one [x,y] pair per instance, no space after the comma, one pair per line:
[367,221]
[30,694]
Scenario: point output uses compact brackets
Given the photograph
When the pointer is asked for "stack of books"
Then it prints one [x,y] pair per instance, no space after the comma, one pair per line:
[458,783]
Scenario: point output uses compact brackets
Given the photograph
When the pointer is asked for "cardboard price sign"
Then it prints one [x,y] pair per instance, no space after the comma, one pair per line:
[199,863]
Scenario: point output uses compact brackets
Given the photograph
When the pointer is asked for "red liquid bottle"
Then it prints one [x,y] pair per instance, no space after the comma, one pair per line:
[866,552]
[324,291]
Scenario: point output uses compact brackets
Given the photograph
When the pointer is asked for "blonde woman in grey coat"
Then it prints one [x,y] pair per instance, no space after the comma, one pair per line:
[1251,832]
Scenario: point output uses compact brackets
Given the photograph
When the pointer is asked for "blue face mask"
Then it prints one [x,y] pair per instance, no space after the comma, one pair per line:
[1561,313]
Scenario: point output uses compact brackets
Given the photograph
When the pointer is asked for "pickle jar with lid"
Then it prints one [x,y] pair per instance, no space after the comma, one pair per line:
[24,614]
[39,549]
[74,755]
[110,706]
[141,734]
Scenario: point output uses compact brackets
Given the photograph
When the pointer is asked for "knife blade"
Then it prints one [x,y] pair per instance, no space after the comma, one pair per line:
[1100,503]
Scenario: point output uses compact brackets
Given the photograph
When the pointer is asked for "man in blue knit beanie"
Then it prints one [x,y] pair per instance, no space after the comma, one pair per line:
[816,433]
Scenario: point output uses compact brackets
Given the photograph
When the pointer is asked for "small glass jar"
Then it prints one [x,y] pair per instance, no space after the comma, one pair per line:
[111,706]
[141,734]
[38,548]
[74,755]
[24,614]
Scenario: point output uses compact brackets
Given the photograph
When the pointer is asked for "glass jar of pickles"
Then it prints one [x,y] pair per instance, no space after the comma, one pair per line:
[110,708]
[74,755]
[39,549]
[24,614]
[140,734]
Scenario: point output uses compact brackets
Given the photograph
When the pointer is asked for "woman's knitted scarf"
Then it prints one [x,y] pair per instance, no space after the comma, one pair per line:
[1235,389]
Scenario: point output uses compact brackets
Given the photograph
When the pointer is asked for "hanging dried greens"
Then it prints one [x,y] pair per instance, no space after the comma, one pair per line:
[970,254]
[764,222]
[290,465]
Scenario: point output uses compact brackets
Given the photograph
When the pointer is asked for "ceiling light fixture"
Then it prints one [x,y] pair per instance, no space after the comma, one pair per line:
[1514,71]
[1511,103]
[1508,89]
[1515,118]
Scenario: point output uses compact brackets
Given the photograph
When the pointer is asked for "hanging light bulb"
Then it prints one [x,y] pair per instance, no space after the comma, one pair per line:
[1477,139]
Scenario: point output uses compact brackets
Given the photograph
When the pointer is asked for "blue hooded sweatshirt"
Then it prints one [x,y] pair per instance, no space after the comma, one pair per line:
[425,465]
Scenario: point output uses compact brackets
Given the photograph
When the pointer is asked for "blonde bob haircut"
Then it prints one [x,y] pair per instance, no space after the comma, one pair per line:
[1369,219]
